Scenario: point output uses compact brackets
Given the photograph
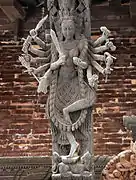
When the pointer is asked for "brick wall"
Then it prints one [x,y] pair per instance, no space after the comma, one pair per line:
[24,128]
[117,97]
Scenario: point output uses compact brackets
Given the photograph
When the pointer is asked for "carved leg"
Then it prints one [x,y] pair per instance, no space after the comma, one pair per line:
[78,105]
[74,144]
[66,115]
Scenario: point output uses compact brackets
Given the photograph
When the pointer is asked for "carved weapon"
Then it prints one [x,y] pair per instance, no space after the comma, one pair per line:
[33,32]
[26,64]
[108,61]
[26,44]
[41,22]
[56,42]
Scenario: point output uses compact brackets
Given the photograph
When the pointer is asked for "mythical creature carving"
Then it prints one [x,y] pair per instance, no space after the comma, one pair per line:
[68,67]
[122,166]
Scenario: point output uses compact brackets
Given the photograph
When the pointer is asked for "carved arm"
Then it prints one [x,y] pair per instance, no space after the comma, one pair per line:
[37,52]
[89,72]
[36,39]
[58,63]
[108,45]
[92,78]
[39,69]
[98,67]
[44,82]
[40,42]
[26,44]
[42,68]
[103,38]
[40,59]
[99,57]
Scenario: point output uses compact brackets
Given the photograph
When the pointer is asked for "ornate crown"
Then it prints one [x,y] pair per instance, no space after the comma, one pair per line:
[75,10]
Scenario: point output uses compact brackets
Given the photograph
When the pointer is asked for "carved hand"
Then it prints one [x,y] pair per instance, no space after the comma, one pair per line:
[33,33]
[43,85]
[78,62]
[31,70]
[33,60]
[107,71]
[93,81]
[28,57]
[108,60]
[58,63]
[105,31]
[111,46]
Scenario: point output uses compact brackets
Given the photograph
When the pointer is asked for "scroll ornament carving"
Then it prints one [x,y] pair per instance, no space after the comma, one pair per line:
[122,166]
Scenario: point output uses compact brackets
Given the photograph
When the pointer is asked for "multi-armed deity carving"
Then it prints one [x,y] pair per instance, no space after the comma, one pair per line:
[68,67]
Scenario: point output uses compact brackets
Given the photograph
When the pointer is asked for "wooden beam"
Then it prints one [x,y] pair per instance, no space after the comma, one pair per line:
[16,29]
[115,3]
[12,9]
[133,11]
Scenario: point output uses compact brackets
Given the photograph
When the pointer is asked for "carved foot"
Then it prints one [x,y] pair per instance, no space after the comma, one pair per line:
[63,168]
[74,148]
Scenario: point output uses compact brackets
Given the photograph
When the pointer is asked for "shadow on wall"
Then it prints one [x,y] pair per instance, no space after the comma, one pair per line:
[104,1]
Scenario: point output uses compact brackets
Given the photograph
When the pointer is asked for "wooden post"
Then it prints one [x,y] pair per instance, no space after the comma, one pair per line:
[12,9]
[114,3]
[133,11]
[16,29]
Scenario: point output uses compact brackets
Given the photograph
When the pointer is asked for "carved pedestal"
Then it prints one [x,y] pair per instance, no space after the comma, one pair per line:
[72,177]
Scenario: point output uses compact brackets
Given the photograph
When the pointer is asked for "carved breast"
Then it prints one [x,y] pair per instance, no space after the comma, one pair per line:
[70,48]
[68,86]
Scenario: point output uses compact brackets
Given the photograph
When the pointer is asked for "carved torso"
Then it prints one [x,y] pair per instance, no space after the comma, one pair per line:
[68,90]
[68,71]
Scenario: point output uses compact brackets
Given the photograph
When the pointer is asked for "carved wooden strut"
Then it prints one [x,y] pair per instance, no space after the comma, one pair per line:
[68,68]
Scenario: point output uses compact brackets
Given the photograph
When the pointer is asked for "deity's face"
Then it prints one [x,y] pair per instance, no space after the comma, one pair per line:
[66,3]
[68,29]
